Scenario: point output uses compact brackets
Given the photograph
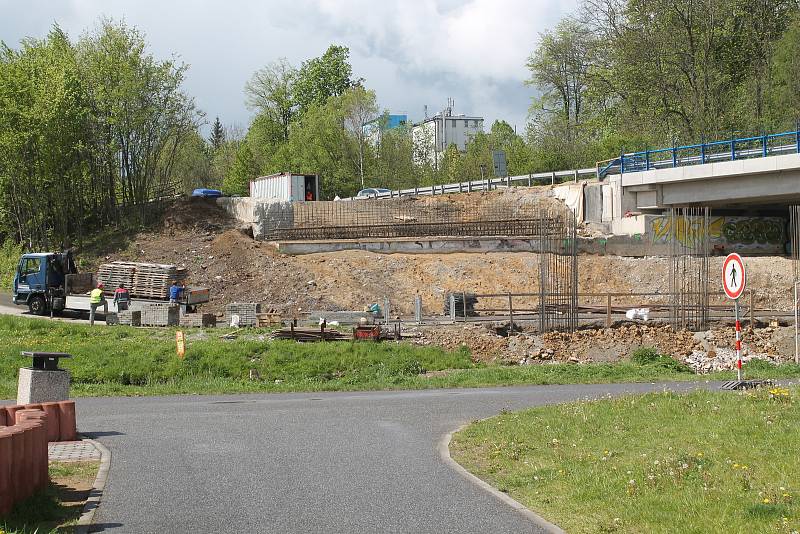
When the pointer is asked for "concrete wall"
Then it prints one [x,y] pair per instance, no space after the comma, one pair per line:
[262,216]
[413,245]
[752,235]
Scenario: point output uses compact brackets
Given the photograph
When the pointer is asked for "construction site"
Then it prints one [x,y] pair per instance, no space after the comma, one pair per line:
[511,273]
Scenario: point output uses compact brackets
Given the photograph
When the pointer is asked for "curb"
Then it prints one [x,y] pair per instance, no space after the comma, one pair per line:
[84,523]
[539,521]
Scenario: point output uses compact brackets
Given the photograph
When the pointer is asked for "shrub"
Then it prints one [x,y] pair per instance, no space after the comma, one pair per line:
[9,257]
[648,356]
[645,356]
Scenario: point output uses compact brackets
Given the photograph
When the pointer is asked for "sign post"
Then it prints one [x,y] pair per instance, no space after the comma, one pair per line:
[733,282]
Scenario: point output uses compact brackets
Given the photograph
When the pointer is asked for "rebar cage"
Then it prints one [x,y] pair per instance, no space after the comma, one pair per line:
[475,216]
[690,245]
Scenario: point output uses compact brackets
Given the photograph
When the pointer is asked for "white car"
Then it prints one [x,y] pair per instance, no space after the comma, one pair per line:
[372,192]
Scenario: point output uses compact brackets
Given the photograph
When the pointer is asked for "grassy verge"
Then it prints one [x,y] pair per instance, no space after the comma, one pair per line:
[57,508]
[702,462]
[131,361]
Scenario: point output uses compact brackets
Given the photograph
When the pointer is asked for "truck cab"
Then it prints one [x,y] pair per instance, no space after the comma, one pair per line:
[37,274]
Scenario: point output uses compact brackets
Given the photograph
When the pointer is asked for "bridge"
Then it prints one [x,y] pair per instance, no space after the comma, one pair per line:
[749,172]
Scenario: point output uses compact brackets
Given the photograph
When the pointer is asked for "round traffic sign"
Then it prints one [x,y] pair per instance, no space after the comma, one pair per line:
[733,276]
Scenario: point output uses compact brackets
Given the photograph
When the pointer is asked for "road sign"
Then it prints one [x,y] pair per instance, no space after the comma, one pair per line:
[733,276]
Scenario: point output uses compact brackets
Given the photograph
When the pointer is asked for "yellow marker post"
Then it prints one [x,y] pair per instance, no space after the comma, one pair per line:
[180,342]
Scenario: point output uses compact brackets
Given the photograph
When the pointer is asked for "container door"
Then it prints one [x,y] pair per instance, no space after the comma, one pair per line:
[298,188]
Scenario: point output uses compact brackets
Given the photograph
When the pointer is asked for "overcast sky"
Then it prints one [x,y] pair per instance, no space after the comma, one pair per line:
[412,52]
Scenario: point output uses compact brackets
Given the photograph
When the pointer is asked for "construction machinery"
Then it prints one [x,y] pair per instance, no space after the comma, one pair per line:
[49,282]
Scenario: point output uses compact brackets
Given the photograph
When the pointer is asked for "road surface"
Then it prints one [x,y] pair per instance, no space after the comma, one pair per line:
[306,462]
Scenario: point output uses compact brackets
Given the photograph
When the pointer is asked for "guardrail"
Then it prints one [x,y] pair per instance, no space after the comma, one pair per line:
[681,156]
[488,184]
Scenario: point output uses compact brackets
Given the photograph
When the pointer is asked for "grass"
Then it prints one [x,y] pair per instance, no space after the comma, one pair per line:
[57,508]
[700,462]
[133,361]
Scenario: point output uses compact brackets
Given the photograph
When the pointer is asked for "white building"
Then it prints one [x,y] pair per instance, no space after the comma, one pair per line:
[433,135]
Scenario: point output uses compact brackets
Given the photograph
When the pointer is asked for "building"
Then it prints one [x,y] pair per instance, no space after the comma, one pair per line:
[433,135]
[375,128]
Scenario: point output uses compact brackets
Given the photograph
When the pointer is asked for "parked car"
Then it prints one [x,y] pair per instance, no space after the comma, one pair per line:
[207,193]
[372,192]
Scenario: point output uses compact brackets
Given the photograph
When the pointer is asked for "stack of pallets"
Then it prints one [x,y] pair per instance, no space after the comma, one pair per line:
[144,280]
[153,281]
[114,274]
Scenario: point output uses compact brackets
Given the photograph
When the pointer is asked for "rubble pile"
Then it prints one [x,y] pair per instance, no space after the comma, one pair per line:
[722,359]
[703,351]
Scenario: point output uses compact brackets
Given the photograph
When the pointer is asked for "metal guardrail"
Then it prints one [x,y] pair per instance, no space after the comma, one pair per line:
[488,184]
[663,158]
[681,156]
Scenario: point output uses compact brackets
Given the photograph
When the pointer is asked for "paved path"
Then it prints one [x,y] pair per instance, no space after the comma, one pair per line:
[306,463]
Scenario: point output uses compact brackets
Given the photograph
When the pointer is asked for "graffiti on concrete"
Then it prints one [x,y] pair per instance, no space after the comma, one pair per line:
[741,230]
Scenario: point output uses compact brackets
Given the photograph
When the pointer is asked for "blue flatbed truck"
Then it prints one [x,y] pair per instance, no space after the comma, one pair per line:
[49,282]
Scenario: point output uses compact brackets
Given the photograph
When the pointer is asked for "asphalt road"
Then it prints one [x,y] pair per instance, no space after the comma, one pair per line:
[306,462]
[7,307]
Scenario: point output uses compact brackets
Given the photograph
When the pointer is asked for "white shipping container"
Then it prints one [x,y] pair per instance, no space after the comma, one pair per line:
[286,187]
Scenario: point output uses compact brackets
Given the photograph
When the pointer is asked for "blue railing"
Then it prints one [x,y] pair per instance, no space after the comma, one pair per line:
[730,150]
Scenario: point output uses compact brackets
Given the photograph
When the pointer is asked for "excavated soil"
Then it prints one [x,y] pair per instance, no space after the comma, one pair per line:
[199,235]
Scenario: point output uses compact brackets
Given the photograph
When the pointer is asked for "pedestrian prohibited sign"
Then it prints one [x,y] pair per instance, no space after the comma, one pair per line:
[733,276]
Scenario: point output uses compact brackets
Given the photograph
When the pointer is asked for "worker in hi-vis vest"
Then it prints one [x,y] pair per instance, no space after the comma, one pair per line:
[97,299]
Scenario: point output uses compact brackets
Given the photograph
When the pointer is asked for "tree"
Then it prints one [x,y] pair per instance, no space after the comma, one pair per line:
[359,108]
[560,70]
[140,115]
[270,92]
[217,134]
[44,191]
[321,78]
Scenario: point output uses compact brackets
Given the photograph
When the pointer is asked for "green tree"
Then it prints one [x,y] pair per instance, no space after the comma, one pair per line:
[140,115]
[44,114]
[359,107]
[323,77]
[217,134]
[270,93]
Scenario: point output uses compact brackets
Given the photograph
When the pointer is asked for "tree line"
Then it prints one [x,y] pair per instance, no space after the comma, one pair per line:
[623,75]
[93,132]
[90,133]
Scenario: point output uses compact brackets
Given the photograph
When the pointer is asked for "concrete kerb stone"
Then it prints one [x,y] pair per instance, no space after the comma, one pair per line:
[444,452]
[84,524]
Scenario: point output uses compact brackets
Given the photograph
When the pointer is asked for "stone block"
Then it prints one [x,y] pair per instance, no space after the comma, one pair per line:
[39,385]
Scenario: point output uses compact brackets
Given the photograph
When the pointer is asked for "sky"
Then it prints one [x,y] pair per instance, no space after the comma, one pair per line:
[412,53]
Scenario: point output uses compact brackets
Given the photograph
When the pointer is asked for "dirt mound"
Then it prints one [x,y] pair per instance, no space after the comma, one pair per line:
[198,215]
[199,235]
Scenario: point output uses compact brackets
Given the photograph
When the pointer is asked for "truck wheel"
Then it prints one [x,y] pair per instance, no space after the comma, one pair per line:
[37,305]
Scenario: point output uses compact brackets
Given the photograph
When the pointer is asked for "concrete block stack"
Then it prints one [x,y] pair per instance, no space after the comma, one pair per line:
[160,314]
[247,312]
[199,320]
[130,317]
[24,434]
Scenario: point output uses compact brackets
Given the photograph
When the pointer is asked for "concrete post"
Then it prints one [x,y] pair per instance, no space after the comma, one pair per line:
[417,309]
[452,307]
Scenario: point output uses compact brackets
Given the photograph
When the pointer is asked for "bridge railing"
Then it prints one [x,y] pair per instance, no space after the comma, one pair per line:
[680,156]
